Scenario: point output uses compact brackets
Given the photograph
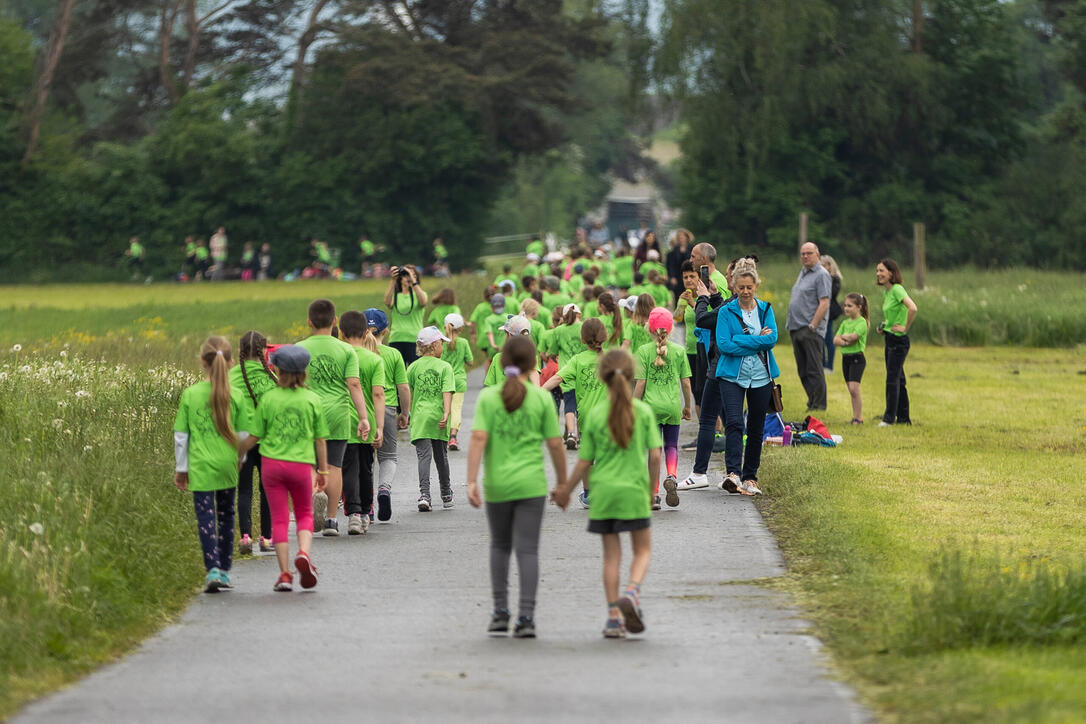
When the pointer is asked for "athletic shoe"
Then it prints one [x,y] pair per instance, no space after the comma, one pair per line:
[306,570]
[614,629]
[224,579]
[365,524]
[571,441]
[331,528]
[583,497]
[212,582]
[857,421]
[719,443]
[499,622]
[884,423]
[694,482]
[245,545]
[631,612]
[730,483]
[384,506]
[671,487]
[424,505]
[266,545]
[749,487]
[525,628]
[354,524]
[454,444]
[656,502]
[446,501]
[320,511]
[690,446]
[370,516]
[285,582]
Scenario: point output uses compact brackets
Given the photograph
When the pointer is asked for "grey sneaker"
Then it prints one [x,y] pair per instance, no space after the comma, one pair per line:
[749,487]
[354,524]
[671,488]
[424,505]
[499,622]
[331,528]
[320,511]
[614,629]
[446,501]
[525,628]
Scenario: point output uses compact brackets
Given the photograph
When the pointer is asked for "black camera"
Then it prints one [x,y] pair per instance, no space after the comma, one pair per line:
[403,272]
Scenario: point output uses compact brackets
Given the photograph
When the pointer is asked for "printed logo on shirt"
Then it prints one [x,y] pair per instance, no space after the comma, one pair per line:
[323,370]
[588,379]
[661,376]
[288,427]
[428,382]
[202,422]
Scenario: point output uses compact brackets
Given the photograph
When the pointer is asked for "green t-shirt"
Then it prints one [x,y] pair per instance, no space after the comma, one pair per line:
[135,250]
[495,375]
[608,322]
[201,253]
[550,301]
[478,317]
[623,271]
[494,323]
[190,249]
[395,373]
[437,315]
[637,334]
[247,256]
[287,422]
[331,363]
[536,333]
[721,281]
[213,462]
[513,461]
[660,294]
[854,326]
[371,373]
[894,310]
[530,270]
[440,252]
[406,314]
[591,309]
[260,381]
[429,378]
[536,247]
[459,356]
[565,344]
[663,386]
[689,318]
[620,476]
[648,266]
[367,247]
[581,372]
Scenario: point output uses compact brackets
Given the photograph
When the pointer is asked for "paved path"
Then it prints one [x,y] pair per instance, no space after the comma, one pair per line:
[395,632]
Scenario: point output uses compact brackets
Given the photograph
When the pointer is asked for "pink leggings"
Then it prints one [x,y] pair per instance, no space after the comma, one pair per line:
[282,478]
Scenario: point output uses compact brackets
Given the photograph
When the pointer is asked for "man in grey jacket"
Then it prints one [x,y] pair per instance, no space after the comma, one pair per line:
[807,320]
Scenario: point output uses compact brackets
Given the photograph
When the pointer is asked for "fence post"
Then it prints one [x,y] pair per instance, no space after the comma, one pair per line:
[920,259]
[802,228]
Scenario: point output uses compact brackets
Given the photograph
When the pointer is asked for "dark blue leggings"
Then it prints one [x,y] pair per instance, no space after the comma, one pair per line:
[215,524]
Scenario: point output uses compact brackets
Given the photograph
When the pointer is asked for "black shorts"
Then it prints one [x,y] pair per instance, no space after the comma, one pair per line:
[614,525]
[336,450]
[853,365]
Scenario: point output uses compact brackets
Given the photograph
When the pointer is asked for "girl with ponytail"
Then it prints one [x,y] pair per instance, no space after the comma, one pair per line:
[210,422]
[611,316]
[621,448]
[663,381]
[252,377]
[579,374]
[459,355]
[509,424]
[635,334]
[851,337]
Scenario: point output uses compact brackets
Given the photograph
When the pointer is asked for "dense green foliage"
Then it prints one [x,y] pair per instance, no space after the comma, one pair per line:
[968,117]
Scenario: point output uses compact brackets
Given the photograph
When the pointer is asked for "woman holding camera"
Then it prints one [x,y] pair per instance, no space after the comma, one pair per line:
[406,303]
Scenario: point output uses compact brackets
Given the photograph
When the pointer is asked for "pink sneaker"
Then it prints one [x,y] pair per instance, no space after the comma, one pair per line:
[306,570]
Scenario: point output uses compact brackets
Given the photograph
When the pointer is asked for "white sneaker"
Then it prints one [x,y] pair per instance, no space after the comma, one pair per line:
[884,423]
[365,523]
[694,481]
[749,487]
[731,483]
[354,524]
[424,505]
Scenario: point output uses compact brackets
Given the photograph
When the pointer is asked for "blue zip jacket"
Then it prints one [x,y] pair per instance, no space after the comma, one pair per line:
[735,344]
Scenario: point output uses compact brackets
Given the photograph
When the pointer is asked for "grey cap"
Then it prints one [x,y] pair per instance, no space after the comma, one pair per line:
[497,302]
[291,358]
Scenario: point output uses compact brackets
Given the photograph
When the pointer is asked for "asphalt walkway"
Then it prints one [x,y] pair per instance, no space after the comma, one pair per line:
[395,631]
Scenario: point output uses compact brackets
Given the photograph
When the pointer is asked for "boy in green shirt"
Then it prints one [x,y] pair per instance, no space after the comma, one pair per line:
[358,460]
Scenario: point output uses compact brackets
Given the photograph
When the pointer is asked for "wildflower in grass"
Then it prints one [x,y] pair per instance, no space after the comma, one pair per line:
[17,348]
[63,353]
[58,423]
[82,393]
[37,528]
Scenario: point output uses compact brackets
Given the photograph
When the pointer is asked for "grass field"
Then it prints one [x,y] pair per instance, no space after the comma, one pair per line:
[942,563]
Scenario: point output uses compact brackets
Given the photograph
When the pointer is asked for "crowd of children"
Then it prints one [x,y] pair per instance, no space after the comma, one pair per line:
[579,358]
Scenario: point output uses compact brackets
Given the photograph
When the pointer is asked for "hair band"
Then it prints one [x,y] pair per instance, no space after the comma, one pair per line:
[512,371]
[219,352]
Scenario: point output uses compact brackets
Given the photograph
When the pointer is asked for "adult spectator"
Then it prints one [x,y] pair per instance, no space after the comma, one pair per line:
[830,265]
[218,253]
[264,263]
[676,255]
[598,235]
[190,256]
[441,258]
[135,257]
[898,311]
[203,266]
[368,251]
[807,321]
[648,243]
[406,303]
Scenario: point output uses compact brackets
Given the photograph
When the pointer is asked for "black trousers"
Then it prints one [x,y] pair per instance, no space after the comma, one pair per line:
[245,497]
[897,395]
[807,346]
[358,478]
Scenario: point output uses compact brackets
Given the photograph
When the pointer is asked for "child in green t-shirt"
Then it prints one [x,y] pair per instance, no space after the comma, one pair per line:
[432,385]
[851,337]
[206,436]
[634,333]
[444,304]
[663,382]
[252,376]
[576,374]
[459,355]
[620,445]
[358,459]
[510,424]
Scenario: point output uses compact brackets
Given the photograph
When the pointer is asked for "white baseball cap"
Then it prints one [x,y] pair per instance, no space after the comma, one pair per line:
[454,320]
[429,335]
[533,257]
[566,309]
[517,324]
[653,254]
[628,303]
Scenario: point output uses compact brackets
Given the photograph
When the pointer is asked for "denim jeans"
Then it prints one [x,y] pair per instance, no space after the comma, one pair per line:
[710,411]
[897,395]
[828,349]
[757,399]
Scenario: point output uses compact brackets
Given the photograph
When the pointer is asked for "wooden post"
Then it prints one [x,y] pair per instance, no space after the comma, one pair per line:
[802,228]
[920,259]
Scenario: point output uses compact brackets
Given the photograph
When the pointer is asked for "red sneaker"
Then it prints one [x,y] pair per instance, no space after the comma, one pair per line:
[285,582]
[306,570]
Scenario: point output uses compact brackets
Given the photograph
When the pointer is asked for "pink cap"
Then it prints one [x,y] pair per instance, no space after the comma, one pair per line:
[660,318]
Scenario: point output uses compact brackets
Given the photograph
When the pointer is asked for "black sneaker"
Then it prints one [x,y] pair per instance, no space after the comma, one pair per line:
[331,528]
[499,622]
[692,445]
[384,506]
[525,628]
[719,442]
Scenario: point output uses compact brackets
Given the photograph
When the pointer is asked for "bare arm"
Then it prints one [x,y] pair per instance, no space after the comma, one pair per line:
[688,397]
[390,293]
[823,307]
[560,494]
[558,459]
[910,305]
[355,388]
[379,413]
[404,393]
[639,389]
[417,285]
[476,447]
[552,382]
[446,404]
[844,340]
[322,462]
[654,468]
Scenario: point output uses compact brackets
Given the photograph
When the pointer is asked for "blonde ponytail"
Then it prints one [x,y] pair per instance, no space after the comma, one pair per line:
[215,354]
[369,340]
[616,371]
[661,347]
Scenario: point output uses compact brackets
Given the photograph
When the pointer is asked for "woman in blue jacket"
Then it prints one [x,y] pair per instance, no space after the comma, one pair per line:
[746,331]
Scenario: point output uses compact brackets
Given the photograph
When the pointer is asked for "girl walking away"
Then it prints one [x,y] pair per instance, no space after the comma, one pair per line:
[611,316]
[253,378]
[899,312]
[358,459]
[291,430]
[444,304]
[566,343]
[459,356]
[851,337]
[431,381]
[663,382]
[635,333]
[477,319]
[206,435]
[397,403]
[510,423]
[406,303]
[518,326]
[746,331]
[621,448]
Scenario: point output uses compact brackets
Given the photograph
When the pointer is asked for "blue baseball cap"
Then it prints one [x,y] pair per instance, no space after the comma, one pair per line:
[376,318]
